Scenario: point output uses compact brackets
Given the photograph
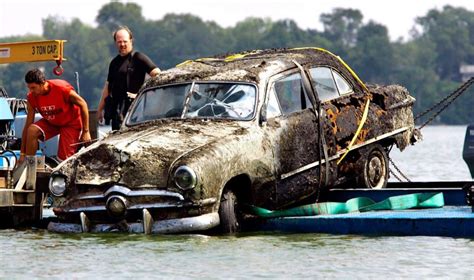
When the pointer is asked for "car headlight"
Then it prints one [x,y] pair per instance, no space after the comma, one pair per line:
[185,178]
[57,184]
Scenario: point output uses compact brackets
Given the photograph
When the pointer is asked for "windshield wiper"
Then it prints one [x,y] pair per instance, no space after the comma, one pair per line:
[187,98]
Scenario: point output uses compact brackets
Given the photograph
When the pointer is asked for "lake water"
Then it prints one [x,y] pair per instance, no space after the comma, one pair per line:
[438,157]
[40,254]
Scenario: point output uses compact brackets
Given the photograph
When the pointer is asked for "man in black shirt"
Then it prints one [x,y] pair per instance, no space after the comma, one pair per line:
[126,75]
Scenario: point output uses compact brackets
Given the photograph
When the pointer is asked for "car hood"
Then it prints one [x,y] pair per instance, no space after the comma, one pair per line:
[142,156]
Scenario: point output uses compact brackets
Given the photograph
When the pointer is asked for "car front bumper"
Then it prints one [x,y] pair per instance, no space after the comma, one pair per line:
[147,226]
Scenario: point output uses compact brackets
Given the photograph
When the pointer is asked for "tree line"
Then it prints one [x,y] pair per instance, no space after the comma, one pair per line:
[427,64]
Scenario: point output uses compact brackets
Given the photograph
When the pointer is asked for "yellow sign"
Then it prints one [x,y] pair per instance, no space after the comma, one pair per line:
[32,51]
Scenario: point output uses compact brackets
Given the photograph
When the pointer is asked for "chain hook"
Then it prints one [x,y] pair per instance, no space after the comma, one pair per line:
[58,70]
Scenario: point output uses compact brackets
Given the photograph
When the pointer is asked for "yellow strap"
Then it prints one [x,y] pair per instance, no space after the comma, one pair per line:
[199,59]
[353,74]
[237,56]
[226,59]
[361,124]
[234,57]
[240,55]
[340,60]
[206,59]
[184,63]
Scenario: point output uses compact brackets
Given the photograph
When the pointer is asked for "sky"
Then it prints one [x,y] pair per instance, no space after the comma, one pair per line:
[21,17]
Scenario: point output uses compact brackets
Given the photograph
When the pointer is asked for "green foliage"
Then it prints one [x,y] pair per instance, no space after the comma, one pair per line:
[177,38]
[341,27]
[373,54]
[452,32]
[249,33]
[427,64]
[284,34]
[117,14]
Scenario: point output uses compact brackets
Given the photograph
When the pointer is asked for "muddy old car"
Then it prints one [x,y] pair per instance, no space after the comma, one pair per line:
[269,128]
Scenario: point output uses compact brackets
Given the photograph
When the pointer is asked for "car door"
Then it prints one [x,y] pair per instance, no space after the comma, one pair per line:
[341,104]
[293,124]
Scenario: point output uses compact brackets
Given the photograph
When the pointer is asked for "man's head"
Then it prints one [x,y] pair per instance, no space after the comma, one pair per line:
[123,38]
[36,81]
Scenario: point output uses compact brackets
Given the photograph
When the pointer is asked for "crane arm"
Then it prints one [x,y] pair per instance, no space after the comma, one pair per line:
[48,50]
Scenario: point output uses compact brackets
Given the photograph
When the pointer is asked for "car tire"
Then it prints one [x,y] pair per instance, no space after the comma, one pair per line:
[50,163]
[228,213]
[373,168]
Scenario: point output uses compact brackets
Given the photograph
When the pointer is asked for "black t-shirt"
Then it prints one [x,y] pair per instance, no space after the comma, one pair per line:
[136,65]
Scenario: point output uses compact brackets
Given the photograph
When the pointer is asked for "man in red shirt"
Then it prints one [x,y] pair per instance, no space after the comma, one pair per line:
[64,112]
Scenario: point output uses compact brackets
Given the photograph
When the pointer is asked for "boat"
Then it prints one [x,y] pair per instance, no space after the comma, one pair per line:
[468,149]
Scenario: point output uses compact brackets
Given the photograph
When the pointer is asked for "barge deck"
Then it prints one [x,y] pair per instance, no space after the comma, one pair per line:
[455,219]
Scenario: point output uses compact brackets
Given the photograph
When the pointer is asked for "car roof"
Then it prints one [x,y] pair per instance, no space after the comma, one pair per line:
[251,66]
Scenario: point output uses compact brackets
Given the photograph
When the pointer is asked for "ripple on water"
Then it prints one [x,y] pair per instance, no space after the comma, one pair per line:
[41,254]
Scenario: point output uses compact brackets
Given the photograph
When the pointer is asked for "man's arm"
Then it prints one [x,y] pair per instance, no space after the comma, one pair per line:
[148,64]
[76,99]
[100,108]
[152,73]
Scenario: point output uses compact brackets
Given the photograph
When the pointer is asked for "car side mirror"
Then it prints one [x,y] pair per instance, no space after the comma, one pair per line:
[263,114]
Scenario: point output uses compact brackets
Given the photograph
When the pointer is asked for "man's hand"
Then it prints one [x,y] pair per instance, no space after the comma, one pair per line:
[131,95]
[100,116]
[21,159]
[85,136]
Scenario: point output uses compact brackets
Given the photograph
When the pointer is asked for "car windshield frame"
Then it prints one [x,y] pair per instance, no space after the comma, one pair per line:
[218,100]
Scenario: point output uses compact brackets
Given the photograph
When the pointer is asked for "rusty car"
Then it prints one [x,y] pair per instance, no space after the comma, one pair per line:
[270,128]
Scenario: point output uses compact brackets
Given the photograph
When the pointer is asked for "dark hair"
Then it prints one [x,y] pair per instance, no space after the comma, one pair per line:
[35,76]
[123,27]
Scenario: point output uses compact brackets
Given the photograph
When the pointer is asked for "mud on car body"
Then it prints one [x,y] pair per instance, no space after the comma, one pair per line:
[270,128]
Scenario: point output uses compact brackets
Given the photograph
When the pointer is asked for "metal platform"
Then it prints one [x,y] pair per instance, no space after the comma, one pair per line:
[23,207]
[455,219]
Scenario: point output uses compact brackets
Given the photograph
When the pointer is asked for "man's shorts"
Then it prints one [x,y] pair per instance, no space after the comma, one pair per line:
[68,137]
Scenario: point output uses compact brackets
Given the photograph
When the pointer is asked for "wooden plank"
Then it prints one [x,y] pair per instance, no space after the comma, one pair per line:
[6,198]
[21,181]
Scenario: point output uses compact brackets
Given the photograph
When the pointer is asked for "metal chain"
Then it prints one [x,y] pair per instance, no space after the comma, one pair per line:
[398,170]
[395,175]
[443,100]
[447,101]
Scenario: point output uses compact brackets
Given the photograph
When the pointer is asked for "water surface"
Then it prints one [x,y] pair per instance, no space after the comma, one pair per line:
[39,254]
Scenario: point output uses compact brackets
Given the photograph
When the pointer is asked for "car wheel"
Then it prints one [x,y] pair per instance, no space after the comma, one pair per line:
[50,163]
[228,214]
[373,172]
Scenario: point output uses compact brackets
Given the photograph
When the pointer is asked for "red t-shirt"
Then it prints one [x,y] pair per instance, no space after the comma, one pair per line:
[55,106]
